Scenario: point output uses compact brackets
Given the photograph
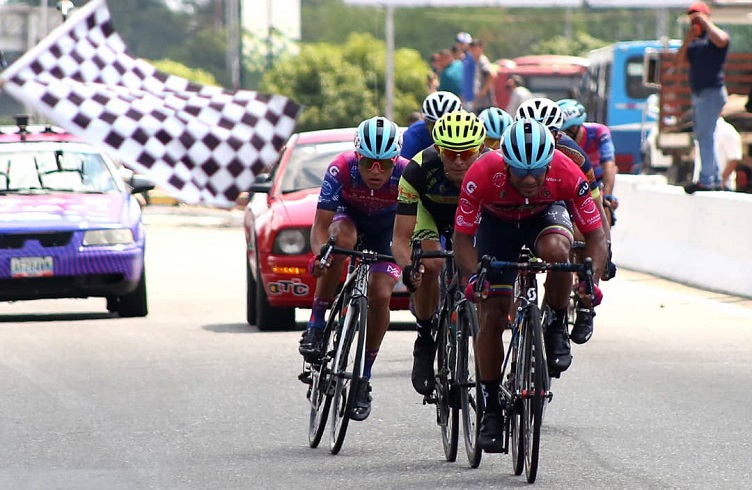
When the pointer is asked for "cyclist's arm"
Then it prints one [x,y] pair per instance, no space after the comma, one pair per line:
[609,176]
[320,229]
[596,249]
[404,225]
[465,255]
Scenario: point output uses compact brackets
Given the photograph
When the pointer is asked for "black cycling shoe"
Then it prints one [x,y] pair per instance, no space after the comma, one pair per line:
[558,350]
[362,407]
[422,376]
[312,344]
[583,326]
[491,436]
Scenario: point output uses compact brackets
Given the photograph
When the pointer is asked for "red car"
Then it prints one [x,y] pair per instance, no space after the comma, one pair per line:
[277,222]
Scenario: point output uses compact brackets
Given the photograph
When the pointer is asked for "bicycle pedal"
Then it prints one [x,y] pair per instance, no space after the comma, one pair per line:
[305,377]
[429,399]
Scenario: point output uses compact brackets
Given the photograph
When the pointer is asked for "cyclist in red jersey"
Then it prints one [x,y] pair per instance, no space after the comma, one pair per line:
[522,195]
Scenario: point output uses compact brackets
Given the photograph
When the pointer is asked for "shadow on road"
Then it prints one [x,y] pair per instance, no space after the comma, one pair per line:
[299,326]
[55,317]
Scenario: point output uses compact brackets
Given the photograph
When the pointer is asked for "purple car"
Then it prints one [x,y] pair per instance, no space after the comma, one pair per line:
[70,227]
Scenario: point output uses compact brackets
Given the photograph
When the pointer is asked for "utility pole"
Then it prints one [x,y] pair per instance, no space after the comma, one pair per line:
[269,35]
[232,14]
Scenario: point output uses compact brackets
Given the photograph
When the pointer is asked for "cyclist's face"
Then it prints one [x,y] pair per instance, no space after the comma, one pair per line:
[456,163]
[527,183]
[375,173]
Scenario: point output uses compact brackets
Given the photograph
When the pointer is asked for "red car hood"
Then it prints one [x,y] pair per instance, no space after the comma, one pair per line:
[60,211]
[295,209]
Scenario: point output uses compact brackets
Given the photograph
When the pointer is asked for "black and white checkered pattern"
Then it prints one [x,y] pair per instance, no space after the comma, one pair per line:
[202,144]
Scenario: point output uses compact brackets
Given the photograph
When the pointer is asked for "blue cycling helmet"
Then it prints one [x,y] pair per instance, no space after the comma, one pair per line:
[496,121]
[378,138]
[573,113]
[527,144]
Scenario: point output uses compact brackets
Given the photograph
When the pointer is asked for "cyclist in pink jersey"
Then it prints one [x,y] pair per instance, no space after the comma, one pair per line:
[522,195]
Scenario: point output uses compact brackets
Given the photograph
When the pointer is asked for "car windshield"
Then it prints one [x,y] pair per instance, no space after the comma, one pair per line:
[41,167]
[307,164]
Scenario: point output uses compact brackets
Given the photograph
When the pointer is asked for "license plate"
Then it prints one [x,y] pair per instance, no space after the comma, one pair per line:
[31,266]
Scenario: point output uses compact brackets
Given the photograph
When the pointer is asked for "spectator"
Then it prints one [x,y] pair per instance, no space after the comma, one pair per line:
[483,79]
[519,93]
[450,78]
[468,69]
[705,47]
[728,152]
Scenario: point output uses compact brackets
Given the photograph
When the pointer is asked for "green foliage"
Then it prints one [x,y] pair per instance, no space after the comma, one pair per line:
[580,45]
[343,85]
[195,75]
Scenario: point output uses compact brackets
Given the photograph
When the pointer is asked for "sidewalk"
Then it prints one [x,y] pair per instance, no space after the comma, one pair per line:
[185,215]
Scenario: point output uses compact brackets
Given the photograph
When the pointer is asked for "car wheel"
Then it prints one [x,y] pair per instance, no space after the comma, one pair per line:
[134,304]
[267,316]
[112,304]
[250,306]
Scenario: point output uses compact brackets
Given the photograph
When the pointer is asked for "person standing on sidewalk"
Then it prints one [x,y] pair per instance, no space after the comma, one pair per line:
[705,48]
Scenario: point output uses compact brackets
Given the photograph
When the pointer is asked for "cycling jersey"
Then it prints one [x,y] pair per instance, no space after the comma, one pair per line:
[415,139]
[597,143]
[486,187]
[343,187]
[570,148]
[425,192]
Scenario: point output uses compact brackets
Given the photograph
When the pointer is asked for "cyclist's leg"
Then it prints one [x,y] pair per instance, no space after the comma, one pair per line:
[553,243]
[501,240]
[312,342]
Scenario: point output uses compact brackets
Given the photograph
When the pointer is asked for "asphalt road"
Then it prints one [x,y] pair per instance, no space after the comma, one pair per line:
[191,397]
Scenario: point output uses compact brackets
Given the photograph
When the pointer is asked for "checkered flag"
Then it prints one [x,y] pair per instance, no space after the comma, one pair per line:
[201,144]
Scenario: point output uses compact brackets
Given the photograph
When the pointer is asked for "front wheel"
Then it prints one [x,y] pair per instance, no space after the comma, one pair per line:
[532,389]
[468,382]
[447,405]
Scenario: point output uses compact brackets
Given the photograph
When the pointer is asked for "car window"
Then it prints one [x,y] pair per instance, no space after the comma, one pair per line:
[44,167]
[307,164]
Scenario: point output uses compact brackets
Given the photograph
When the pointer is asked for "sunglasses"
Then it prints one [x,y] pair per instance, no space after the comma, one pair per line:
[373,165]
[462,155]
[521,173]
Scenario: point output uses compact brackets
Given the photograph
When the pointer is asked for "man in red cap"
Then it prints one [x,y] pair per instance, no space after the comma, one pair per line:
[705,47]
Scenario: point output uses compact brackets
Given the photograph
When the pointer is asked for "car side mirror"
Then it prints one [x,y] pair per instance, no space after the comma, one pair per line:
[140,183]
[262,183]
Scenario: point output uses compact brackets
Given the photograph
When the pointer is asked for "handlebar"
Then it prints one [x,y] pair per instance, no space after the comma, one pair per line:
[368,256]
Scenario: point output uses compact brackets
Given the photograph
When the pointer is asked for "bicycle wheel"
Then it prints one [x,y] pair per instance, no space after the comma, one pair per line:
[348,364]
[515,407]
[533,390]
[447,407]
[468,381]
[320,396]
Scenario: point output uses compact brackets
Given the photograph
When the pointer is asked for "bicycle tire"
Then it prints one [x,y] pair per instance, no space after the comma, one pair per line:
[515,410]
[320,397]
[348,371]
[468,382]
[533,387]
[447,410]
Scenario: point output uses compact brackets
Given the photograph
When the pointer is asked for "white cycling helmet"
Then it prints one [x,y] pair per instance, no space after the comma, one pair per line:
[543,110]
[437,104]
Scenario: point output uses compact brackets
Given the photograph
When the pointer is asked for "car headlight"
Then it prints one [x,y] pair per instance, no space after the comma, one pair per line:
[291,242]
[117,236]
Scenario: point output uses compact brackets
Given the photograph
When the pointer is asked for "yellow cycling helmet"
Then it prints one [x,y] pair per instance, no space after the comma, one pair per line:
[459,130]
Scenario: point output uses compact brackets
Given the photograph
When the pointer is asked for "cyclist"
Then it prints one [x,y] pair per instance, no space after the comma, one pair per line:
[358,200]
[426,207]
[495,121]
[522,195]
[548,112]
[417,137]
[595,139]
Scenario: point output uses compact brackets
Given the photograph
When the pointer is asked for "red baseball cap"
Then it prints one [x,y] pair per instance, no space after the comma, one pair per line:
[701,7]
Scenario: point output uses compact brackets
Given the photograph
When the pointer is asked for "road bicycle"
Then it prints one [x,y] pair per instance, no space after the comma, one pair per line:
[456,390]
[335,378]
[525,387]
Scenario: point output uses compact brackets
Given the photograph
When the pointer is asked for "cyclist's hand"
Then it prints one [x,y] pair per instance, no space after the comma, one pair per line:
[316,268]
[609,272]
[412,277]
[585,297]
[611,201]
[470,293]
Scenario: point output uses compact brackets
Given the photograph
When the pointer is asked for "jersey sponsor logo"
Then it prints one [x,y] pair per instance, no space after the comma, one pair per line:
[461,220]
[470,187]
[465,206]
[589,206]
[499,179]
[326,188]
[583,188]
[545,193]
[334,170]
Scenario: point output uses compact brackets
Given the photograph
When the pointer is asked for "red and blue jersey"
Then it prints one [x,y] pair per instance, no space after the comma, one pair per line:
[595,140]
[344,187]
[486,187]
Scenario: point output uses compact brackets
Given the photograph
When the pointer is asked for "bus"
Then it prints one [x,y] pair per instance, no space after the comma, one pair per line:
[552,76]
[613,94]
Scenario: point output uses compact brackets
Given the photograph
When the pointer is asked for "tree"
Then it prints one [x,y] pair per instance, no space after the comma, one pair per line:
[343,85]
[195,75]
[580,45]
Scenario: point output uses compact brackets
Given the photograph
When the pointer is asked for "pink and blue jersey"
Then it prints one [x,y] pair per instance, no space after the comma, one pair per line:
[597,144]
[343,188]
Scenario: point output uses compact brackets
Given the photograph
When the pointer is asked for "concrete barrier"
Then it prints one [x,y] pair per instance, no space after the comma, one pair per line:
[703,240]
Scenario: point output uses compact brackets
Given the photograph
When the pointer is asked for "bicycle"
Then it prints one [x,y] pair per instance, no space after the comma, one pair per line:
[334,380]
[456,387]
[525,389]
